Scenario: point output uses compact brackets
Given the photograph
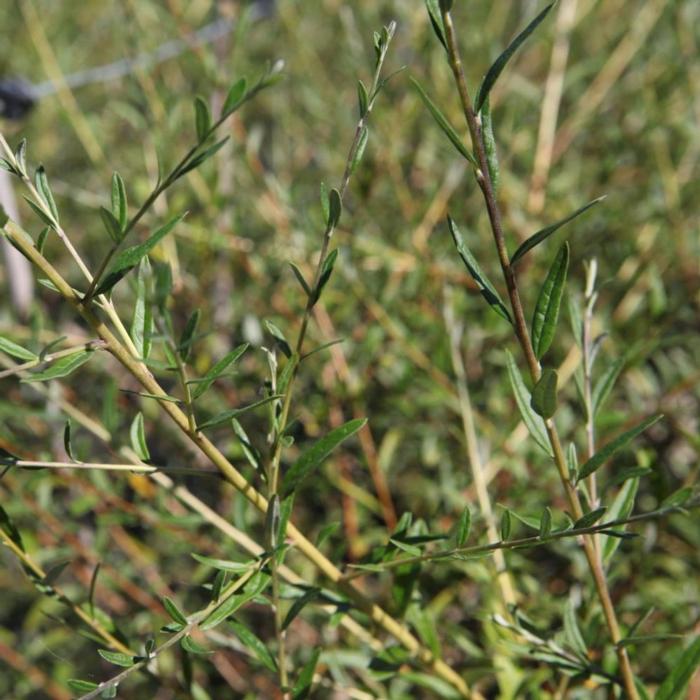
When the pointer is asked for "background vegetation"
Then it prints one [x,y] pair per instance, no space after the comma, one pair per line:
[404,306]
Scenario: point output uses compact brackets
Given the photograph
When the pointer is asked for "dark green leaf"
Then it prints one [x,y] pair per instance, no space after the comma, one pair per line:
[189,645]
[603,455]
[279,336]
[174,611]
[202,157]
[41,239]
[62,367]
[360,150]
[138,438]
[605,384]
[545,523]
[505,524]
[254,587]
[235,96]
[362,98]
[21,157]
[335,207]
[234,413]
[589,519]
[40,213]
[541,235]
[544,320]
[463,527]
[499,64]
[544,394]
[217,370]
[254,644]
[299,604]
[111,225]
[42,186]
[433,7]
[17,351]
[490,145]
[9,528]
[326,272]
[93,583]
[116,657]
[313,457]
[442,122]
[682,671]
[300,278]
[184,347]
[534,423]
[620,509]
[80,686]
[202,118]
[306,676]
[488,291]
[677,498]
[326,532]
[120,208]
[68,442]
[224,564]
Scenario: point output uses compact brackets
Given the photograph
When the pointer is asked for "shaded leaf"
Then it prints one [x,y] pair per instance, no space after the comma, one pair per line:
[544,321]
[234,413]
[362,98]
[674,684]
[235,96]
[111,225]
[545,523]
[254,644]
[620,509]
[217,370]
[313,457]
[488,291]
[490,145]
[544,233]
[603,455]
[589,519]
[335,208]
[174,612]
[254,587]
[42,186]
[80,686]
[544,394]
[184,347]
[462,527]
[303,685]
[500,63]
[202,118]
[433,7]
[605,384]
[360,150]
[299,604]
[189,645]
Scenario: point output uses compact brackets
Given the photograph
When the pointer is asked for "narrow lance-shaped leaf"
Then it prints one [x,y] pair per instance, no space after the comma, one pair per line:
[589,519]
[111,225]
[603,455]
[300,278]
[137,434]
[299,604]
[362,98]
[534,423]
[174,612]
[120,209]
[445,125]
[462,528]
[433,7]
[675,683]
[326,272]
[544,321]
[42,186]
[545,233]
[184,347]
[313,457]
[254,587]
[142,318]
[488,291]
[62,367]
[128,259]
[306,676]
[500,63]
[15,350]
[116,657]
[620,509]
[235,96]
[335,208]
[605,384]
[360,150]
[235,412]
[544,394]
[254,644]
[490,145]
[217,370]
[545,523]
[202,118]
[279,337]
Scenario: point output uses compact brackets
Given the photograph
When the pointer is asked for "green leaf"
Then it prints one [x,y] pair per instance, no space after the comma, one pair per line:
[62,367]
[235,96]
[326,272]
[279,336]
[93,584]
[306,676]
[313,457]
[174,611]
[325,202]
[202,118]
[17,351]
[463,527]
[272,521]
[362,98]
[335,207]
[184,347]
[360,150]
[120,207]
[189,645]
[545,523]
[589,519]
[40,213]
[505,524]
[68,442]
[142,318]
[224,564]
[433,7]
[544,321]
[534,423]
[234,413]
[254,644]
[572,631]
[116,658]
[620,509]
[202,157]
[79,686]
[490,145]
[603,455]
[300,278]
[500,63]
[138,437]
[10,529]
[544,394]
[299,604]
[128,259]
[111,225]
[217,370]
[682,671]
[21,157]
[541,235]
[605,384]
[442,122]
[42,186]
[41,239]
[488,291]
[254,587]
[677,498]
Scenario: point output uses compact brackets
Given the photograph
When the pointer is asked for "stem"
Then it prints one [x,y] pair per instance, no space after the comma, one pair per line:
[51,357]
[523,336]
[314,555]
